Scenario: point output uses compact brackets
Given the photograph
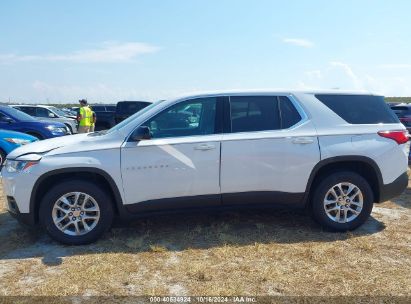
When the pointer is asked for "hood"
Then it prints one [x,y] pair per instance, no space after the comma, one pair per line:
[14,134]
[70,144]
[47,145]
[47,122]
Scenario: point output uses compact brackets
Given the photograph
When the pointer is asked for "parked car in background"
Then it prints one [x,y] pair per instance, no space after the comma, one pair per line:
[10,140]
[70,113]
[49,113]
[403,111]
[125,109]
[105,115]
[334,153]
[16,120]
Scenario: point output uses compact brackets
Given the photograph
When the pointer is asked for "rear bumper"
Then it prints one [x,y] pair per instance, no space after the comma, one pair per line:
[394,189]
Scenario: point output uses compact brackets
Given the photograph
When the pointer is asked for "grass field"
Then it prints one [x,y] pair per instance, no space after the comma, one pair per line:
[247,253]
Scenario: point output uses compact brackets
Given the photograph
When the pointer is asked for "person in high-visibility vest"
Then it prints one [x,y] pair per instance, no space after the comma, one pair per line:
[84,117]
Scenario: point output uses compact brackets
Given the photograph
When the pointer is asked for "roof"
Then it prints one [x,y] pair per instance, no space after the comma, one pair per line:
[269,92]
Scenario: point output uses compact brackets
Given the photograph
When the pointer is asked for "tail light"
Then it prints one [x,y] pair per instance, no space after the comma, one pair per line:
[401,137]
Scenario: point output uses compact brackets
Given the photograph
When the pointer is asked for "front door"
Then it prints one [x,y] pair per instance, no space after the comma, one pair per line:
[179,166]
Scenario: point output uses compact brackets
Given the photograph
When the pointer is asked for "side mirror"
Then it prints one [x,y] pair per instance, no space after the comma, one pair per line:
[51,115]
[141,133]
[7,119]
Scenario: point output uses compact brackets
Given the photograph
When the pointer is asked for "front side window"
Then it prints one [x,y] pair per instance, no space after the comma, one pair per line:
[254,113]
[187,118]
[42,112]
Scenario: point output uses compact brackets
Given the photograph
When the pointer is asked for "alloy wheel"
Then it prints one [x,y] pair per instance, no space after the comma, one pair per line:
[343,202]
[76,213]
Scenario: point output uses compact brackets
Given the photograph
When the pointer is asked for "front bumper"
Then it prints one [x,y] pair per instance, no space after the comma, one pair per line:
[24,218]
[394,189]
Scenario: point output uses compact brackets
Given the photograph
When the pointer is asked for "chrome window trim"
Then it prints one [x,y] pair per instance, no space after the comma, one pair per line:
[291,97]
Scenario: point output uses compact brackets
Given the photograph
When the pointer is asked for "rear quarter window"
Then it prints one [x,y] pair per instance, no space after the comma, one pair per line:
[359,109]
[289,114]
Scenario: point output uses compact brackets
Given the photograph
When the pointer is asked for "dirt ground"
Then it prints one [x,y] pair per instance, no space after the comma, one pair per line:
[236,253]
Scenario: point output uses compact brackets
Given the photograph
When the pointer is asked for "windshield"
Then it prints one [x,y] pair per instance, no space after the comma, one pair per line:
[16,114]
[133,117]
[58,111]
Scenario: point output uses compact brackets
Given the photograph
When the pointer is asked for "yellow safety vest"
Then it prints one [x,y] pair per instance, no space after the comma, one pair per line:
[86,117]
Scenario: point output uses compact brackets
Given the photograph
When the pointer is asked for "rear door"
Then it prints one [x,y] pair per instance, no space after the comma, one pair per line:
[270,152]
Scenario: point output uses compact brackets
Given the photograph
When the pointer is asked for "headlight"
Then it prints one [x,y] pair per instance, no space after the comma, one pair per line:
[57,130]
[15,166]
[18,141]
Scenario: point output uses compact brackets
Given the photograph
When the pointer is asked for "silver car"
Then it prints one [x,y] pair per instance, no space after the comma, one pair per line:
[49,113]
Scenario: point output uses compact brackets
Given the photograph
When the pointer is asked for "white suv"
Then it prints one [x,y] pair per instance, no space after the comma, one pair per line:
[331,152]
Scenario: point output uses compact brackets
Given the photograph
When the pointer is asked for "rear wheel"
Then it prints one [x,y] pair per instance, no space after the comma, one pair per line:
[76,212]
[342,201]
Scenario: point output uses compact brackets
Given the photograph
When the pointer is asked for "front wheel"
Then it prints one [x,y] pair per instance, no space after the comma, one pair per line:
[76,212]
[342,201]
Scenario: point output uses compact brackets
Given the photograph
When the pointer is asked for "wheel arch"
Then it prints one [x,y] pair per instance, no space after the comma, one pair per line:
[362,165]
[35,133]
[51,178]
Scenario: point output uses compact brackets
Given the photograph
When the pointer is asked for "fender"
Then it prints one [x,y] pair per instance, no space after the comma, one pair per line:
[343,159]
[104,174]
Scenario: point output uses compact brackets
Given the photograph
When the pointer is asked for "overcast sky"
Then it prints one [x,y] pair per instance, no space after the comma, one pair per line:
[105,51]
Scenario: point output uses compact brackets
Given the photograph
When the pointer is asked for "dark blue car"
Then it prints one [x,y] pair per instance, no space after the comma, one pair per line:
[15,120]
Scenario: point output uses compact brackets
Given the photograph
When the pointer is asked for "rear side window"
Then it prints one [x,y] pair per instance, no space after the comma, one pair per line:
[359,109]
[289,114]
[254,113]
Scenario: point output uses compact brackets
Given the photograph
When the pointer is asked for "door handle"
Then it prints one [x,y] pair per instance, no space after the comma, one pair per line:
[204,147]
[303,140]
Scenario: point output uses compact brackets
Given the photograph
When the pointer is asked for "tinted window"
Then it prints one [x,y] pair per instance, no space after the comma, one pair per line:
[16,114]
[130,107]
[42,112]
[254,113]
[188,118]
[99,108]
[359,109]
[400,110]
[111,108]
[289,114]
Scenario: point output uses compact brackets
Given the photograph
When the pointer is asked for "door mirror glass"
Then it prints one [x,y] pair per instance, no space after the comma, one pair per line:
[52,115]
[141,133]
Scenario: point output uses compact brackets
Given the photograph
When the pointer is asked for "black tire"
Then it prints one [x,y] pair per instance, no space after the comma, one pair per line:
[70,129]
[2,157]
[96,192]
[320,191]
